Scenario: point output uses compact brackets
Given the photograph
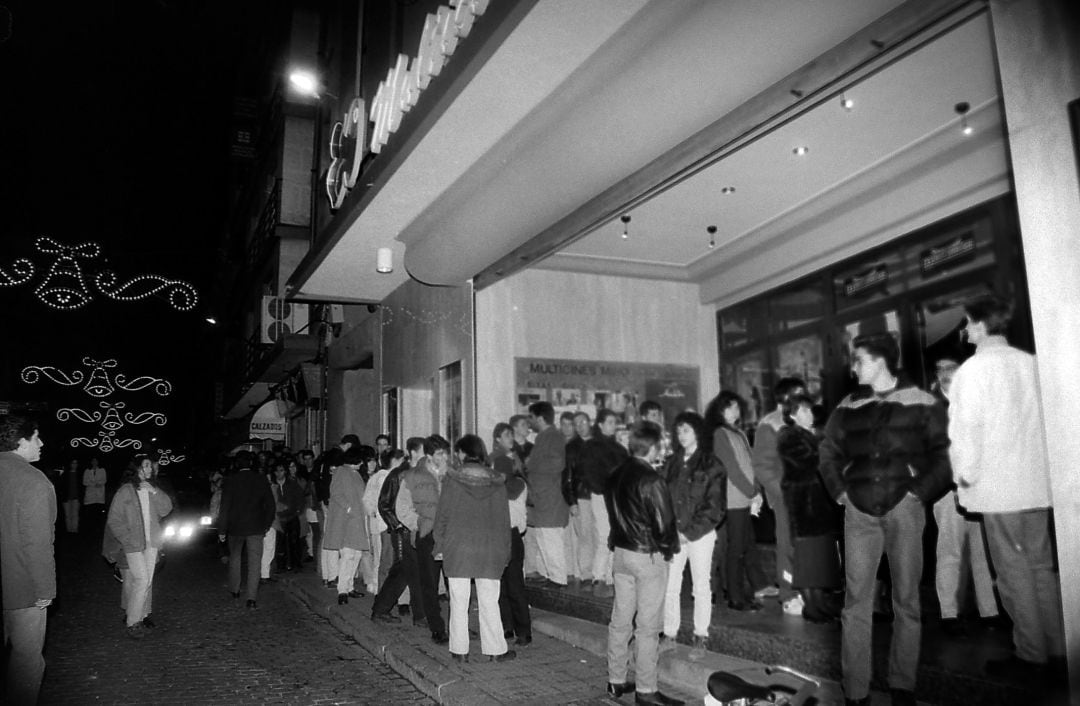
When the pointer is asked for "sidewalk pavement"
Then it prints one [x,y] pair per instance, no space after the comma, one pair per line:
[565,664]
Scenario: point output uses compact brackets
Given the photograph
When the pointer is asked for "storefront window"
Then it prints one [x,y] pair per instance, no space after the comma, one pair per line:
[450,401]
[802,358]
[743,323]
[796,307]
[746,375]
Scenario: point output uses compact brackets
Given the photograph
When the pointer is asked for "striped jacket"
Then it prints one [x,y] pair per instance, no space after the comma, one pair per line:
[880,446]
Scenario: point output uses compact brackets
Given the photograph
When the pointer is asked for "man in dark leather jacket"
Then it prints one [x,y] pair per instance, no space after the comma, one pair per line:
[399,554]
[644,538]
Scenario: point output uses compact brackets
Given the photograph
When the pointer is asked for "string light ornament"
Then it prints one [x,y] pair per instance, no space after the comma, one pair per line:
[166,456]
[105,442]
[65,286]
[98,384]
[111,419]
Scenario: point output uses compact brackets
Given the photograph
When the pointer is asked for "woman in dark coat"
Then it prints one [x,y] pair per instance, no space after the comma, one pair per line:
[472,532]
[816,523]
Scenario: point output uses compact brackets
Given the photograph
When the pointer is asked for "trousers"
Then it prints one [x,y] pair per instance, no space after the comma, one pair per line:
[24,633]
[492,641]
[141,569]
[252,547]
[955,530]
[640,581]
[698,554]
[513,604]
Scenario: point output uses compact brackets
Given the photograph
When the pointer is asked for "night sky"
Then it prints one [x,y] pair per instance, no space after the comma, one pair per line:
[114,122]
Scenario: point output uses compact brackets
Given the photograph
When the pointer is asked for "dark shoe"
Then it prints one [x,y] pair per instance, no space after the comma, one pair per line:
[698,647]
[1014,668]
[403,609]
[330,583]
[356,594]
[953,627]
[523,641]
[385,618]
[342,598]
[744,606]
[548,583]
[459,658]
[504,657]
[234,594]
[656,699]
[148,623]
[270,579]
[534,578]
[619,690]
[308,559]
[508,634]
[440,638]
[136,631]
[251,604]
[903,697]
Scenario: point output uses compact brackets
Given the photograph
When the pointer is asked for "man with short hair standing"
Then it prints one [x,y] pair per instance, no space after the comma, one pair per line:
[1002,471]
[643,538]
[884,457]
[27,566]
[548,511]
[247,512]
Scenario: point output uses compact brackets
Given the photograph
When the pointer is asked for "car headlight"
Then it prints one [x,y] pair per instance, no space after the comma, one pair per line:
[186,531]
[206,520]
[170,531]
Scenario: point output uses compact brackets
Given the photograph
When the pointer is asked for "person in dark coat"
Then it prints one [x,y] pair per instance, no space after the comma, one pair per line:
[816,522]
[548,512]
[247,512]
[346,530]
[472,532]
[289,504]
[513,603]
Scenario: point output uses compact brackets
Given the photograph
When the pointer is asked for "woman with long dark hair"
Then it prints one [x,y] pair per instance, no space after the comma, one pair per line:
[698,487]
[741,563]
[135,521]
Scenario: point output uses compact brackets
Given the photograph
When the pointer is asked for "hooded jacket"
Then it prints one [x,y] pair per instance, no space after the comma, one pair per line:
[472,523]
[639,508]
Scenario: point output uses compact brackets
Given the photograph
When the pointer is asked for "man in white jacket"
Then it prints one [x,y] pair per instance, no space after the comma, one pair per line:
[1001,470]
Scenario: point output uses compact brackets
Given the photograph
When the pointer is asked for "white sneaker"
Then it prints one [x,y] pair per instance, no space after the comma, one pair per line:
[794,606]
[767,592]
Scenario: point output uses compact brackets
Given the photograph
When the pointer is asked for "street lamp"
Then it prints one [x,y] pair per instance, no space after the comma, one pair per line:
[304,82]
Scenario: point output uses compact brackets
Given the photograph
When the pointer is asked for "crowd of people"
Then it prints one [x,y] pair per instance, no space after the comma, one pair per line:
[571,501]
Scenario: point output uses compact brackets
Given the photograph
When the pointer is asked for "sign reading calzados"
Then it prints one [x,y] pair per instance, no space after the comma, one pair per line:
[397,93]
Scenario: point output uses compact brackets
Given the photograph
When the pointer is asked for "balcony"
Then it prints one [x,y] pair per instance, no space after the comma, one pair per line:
[264,365]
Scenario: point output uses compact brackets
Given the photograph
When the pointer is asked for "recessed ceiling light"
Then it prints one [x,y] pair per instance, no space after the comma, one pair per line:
[727,190]
[800,150]
[845,102]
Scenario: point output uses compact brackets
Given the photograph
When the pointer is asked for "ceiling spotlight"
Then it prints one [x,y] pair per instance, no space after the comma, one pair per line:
[304,82]
[625,218]
[962,109]
[845,102]
[727,190]
[211,320]
[711,230]
[800,151]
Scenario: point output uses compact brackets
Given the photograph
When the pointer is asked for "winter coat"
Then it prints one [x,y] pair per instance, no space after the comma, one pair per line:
[290,500]
[544,469]
[729,446]
[126,518]
[698,488]
[472,524]
[423,490]
[345,527]
[247,504]
[880,446]
[813,513]
[27,522]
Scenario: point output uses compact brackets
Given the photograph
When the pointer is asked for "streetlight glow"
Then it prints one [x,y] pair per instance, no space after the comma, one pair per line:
[304,82]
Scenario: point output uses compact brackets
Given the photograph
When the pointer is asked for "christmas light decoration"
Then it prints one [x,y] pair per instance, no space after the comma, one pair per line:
[65,285]
[21,272]
[98,385]
[105,442]
[166,456]
[111,420]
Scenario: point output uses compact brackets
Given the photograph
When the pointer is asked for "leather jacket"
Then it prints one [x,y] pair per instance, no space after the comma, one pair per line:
[388,499]
[640,511]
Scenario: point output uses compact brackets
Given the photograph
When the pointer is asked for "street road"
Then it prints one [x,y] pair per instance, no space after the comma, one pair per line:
[206,649]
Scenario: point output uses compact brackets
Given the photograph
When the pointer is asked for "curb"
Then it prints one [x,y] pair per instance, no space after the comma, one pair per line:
[426,674]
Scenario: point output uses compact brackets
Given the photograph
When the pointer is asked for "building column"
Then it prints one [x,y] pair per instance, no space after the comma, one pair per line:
[1039,62]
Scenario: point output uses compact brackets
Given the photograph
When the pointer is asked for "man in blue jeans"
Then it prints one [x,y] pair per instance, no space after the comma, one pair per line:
[884,457]
[644,538]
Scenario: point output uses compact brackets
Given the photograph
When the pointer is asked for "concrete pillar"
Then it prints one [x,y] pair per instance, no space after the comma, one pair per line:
[1038,46]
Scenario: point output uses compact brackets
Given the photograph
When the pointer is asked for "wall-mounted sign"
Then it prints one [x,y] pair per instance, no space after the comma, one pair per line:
[267,423]
[396,95]
[866,281]
[949,254]
[589,385]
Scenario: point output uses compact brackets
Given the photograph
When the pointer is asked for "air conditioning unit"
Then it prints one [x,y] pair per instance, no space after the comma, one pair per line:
[280,317]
